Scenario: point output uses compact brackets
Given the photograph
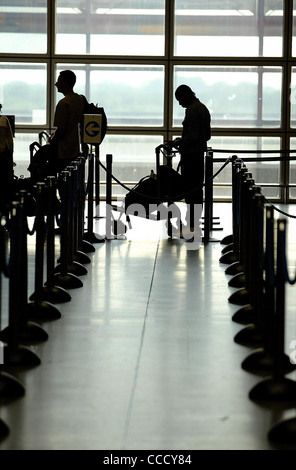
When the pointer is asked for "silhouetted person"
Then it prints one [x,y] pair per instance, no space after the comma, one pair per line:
[64,144]
[192,147]
[68,114]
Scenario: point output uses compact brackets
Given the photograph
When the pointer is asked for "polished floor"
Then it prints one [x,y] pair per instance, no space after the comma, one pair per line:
[143,355]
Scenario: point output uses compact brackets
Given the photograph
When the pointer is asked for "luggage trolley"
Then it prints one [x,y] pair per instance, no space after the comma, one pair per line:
[156,192]
[170,186]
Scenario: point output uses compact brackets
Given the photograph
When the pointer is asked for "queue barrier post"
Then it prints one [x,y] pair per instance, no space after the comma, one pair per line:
[277,388]
[89,235]
[16,353]
[39,309]
[50,291]
[83,245]
[10,386]
[63,277]
[78,254]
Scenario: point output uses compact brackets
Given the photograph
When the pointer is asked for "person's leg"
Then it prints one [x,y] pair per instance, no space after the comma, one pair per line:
[192,170]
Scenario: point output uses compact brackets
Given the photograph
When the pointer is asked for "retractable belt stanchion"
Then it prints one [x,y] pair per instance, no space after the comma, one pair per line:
[208,208]
[253,334]
[262,359]
[15,353]
[235,261]
[74,267]
[278,388]
[30,332]
[78,255]
[230,253]
[64,277]
[83,245]
[208,204]
[245,314]
[40,309]
[237,268]
[118,227]
[10,386]
[241,296]
[97,179]
[89,235]
[109,160]
[51,292]
[229,239]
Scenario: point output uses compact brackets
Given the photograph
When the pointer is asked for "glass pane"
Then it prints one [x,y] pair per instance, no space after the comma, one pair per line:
[263,172]
[131,95]
[235,96]
[23,26]
[23,91]
[133,157]
[249,28]
[109,27]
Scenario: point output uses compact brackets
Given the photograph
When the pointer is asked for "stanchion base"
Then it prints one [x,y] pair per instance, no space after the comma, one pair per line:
[234,268]
[67,281]
[284,433]
[262,363]
[20,356]
[93,238]
[240,297]
[249,336]
[227,249]
[229,258]
[227,240]
[29,333]
[54,294]
[73,268]
[244,315]
[239,280]
[42,311]
[86,247]
[276,391]
[4,429]
[10,387]
[81,257]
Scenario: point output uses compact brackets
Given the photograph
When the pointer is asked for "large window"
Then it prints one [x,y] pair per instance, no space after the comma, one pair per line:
[255,154]
[23,90]
[23,26]
[239,57]
[109,27]
[231,29]
[236,96]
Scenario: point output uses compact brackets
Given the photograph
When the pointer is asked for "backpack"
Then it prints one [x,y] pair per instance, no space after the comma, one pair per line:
[91,108]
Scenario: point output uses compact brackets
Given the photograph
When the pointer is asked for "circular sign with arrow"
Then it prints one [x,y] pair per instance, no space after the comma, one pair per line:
[92,129]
